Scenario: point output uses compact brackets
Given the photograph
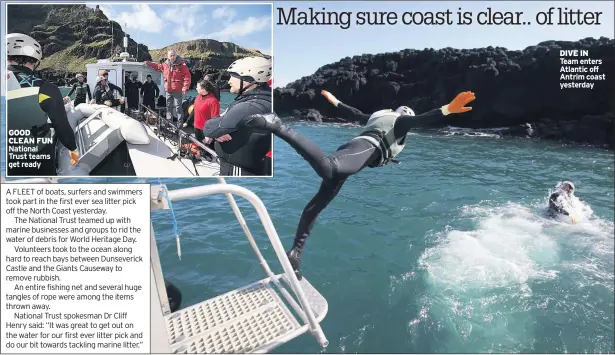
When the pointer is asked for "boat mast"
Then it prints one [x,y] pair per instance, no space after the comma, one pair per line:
[111,22]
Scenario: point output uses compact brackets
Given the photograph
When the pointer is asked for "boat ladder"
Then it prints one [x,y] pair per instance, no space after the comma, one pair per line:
[251,319]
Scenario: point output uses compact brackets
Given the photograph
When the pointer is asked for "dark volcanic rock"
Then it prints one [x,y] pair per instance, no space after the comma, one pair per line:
[519,90]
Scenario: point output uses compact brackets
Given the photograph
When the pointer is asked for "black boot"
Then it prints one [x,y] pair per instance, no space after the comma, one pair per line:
[294,255]
[262,122]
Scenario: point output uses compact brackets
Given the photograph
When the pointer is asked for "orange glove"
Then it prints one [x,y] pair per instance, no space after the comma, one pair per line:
[459,102]
[74,158]
[330,97]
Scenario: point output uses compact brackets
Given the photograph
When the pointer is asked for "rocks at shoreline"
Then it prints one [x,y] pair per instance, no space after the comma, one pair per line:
[519,90]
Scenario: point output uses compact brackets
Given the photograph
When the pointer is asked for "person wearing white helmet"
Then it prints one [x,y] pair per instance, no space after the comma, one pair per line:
[81,90]
[560,201]
[33,106]
[243,151]
[382,140]
[104,93]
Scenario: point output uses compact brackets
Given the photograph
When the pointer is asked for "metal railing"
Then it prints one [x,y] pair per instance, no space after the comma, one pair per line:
[303,309]
[79,133]
[168,125]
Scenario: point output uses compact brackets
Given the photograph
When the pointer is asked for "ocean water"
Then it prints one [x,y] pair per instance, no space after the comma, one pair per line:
[447,252]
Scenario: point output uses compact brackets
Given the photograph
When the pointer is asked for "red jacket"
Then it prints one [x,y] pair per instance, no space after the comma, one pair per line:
[177,77]
[204,108]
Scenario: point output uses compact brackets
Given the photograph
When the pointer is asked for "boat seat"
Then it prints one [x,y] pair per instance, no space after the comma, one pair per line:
[95,141]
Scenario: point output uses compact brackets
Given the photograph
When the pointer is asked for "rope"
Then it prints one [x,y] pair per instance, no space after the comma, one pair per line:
[175,229]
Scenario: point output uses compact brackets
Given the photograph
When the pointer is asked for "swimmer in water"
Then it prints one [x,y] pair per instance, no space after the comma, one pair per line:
[560,201]
[383,138]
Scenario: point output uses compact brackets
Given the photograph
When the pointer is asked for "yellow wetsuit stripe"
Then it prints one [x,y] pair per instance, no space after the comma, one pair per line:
[42,97]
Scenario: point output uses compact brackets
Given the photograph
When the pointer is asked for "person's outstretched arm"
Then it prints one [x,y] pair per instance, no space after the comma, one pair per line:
[347,111]
[405,122]
[115,87]
[156,66]
[72,90]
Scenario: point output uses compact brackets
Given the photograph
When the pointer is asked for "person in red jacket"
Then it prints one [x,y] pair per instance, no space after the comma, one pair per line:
[177,79]
[206,106]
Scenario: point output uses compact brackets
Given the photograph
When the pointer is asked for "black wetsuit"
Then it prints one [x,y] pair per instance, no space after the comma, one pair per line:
[132,93]
[114,101]
[245,154]
[54,107]
[555,206]
[349,159]
[101,95]
[82,89]
[150,92]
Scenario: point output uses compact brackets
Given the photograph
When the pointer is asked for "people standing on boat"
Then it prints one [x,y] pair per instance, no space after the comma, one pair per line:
[243,151]
[177,79]
[382,140]
[149,92]
[104,93]
[81,90]
[206,106]
[132,87]
[217,89]
[31,103]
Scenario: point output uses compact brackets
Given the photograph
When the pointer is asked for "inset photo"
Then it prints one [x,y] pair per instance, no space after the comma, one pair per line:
[114,90]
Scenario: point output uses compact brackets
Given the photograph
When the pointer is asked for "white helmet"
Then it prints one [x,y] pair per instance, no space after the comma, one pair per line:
[79,75]
[569,184]
[20,44]
[405,110]
[253,69]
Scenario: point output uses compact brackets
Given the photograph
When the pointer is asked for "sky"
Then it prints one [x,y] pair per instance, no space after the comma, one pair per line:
[158,26]
[300,50]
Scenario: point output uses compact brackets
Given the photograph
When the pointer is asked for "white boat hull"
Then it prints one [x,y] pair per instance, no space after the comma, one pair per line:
[99,136]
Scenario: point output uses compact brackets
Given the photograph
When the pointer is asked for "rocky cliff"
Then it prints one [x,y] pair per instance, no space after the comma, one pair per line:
[206,56]
[71,36]
[518,89]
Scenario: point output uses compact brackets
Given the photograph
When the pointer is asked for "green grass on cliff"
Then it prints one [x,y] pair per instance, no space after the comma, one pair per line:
[65,60]
[158,54]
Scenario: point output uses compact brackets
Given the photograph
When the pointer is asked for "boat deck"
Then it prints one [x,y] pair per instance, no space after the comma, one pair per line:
[151,160]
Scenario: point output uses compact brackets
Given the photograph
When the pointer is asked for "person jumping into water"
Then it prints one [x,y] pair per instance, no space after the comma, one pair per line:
[382,140]
[560,201]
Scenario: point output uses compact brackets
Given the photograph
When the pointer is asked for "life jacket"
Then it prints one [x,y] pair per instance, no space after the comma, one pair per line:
[380,132]
[24,111]
[106,95]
